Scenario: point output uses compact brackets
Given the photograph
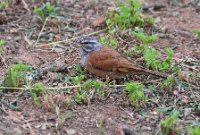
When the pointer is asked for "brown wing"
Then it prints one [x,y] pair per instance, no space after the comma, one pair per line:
[109,60]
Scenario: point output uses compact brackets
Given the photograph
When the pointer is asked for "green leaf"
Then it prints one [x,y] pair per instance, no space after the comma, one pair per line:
[46,10]
[145,39]
[16,75]
[197,32]
[77,79]
[150,21]
[81,97]
[135,93]
[87,84]
[150,57]
[170,123]
[128,15]
[98,85]
[168,83]
[2,44]
[36,99]
[169,52]
[195,130]
[38,88]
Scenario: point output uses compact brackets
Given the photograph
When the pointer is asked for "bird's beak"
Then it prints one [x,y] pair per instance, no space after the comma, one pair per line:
[78,44]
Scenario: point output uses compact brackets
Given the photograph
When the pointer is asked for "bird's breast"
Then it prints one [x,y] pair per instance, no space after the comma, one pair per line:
[84,60]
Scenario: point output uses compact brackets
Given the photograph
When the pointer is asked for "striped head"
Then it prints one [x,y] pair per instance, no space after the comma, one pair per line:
[88,45]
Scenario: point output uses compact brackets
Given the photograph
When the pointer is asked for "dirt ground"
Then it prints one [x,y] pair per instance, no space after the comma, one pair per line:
[19,27]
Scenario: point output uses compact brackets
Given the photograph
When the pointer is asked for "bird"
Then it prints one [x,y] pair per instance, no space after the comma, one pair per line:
[106,62]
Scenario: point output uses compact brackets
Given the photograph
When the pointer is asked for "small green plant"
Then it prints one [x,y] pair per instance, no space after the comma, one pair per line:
[145,41]
[88,89]
[93,87]
[136,94]
[81,97]
[16,75]
[152,61]
[166,64]
[4,4]
[110,41]
[46,10]
[98,84]
[101,125]
[194,130]
[87,85]
[77,79]
[36,99]
[143,38]
[99,88]
[111,26]
[197,32]
[38,88]
[61,118]
[2,44]
[169,125]
[149,21]
[168,83]
[79,70]
[127,16]
[36,91]
[69,102]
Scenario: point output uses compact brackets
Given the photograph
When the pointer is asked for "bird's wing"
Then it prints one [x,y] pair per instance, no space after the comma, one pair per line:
[109,60]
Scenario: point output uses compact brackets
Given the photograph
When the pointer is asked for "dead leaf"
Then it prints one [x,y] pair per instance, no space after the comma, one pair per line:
[172,133]
[110,9]
[32,132]
[29,59]
[57,37]
[178,60]
[185,100]
[155,112]
[44,46]
[175,92]
[15,116]
[184,78]
[98,22]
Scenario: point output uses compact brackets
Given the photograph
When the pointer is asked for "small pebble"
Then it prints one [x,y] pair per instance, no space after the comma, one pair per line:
[71,132]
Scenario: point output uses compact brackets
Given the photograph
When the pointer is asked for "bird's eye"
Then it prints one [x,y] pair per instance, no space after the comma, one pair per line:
[85,42]
[88,47]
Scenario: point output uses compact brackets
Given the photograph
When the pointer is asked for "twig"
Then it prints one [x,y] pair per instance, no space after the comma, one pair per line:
[3,60]
[41,32]
[182,6]
[3,109]
[101,125]
[26,6]
[192,68]
[154,7]
[153,81]
[74,38]
[27,40]
[53,88]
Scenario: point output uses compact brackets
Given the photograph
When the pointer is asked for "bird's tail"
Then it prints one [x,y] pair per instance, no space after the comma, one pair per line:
[147,71]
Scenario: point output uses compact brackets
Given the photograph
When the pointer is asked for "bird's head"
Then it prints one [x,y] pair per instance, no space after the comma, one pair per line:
[88,45]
